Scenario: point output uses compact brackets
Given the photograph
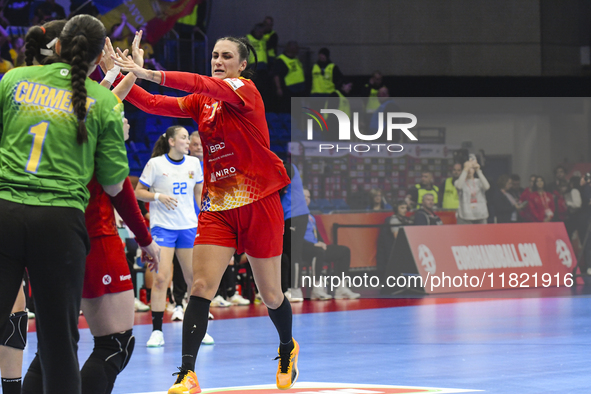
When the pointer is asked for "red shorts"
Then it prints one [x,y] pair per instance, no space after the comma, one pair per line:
[106,268]
[255,229]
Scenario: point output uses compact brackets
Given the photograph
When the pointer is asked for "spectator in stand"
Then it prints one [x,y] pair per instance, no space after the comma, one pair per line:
[426,186]
[339,99]
[271,39]
[320,253]
[540,202]
[262,78]
[389,232]
[376,201]
[425,216]
[516,188]
[48,11]
[371,90]
[525,214]
[288,76]
[121,37]
[559,177]
[561,209]
[505,204]
[572,198]
[326,76]
[472,208]
[448,192]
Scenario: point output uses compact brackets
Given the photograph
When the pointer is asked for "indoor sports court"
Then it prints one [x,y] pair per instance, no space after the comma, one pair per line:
[446,345]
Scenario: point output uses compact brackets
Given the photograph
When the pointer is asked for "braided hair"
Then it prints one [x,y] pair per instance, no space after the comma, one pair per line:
[245,48]
[82,41]
[37,39]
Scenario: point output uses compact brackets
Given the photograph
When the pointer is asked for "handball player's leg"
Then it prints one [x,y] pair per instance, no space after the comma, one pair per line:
[267,275]
[110,318]
[209,265]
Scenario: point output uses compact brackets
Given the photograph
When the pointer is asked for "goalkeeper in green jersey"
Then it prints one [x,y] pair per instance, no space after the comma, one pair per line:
[57,129]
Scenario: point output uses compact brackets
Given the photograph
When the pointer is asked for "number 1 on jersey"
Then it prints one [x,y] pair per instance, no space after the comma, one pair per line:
[39,132]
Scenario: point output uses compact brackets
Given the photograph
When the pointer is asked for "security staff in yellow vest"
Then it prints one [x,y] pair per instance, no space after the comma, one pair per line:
[339,99]
[288,76]
[326,76]
[260,46]
[416,193]
[271,40]
[448,192]
[371,90]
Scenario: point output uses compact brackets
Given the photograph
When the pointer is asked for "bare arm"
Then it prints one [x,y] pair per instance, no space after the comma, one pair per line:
[143,193]
[197,190]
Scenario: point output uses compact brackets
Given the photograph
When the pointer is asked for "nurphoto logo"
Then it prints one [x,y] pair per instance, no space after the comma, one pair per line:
[344,132]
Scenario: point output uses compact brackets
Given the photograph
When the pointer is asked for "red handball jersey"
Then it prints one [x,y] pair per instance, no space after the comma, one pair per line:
[99,215]
[239,166]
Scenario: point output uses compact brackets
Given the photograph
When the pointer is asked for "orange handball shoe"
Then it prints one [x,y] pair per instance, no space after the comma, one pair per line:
[186,383]
[287,371]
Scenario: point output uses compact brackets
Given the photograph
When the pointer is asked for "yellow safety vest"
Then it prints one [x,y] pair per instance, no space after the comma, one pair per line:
[450,195]
[373,102]
[422,192]
[260,46]
[270,51]
[344,104]
[322,84]
[295,73]
[190,19]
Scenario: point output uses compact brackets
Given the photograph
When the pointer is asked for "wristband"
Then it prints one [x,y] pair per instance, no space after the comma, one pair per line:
[156,196]
[112,74]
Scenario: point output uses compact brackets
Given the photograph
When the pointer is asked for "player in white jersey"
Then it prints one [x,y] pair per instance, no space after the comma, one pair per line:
[172,182]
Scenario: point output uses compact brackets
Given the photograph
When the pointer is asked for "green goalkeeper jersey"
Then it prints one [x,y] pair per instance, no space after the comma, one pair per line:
[41,163]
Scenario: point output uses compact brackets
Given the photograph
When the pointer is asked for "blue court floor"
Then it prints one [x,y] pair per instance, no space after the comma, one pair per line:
[531,345]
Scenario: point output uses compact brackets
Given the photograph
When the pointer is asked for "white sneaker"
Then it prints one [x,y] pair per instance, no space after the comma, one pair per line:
[237,299]
[210,317]
[344,292]
[178,313]
[30,314]
[207,340]
[139,306]
[318,293]
[296,295]
[219,302]
[156,339]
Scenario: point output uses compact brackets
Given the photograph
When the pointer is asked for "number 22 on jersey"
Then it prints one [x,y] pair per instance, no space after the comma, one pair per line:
[39,132]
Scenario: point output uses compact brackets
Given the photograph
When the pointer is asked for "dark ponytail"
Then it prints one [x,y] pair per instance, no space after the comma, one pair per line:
[245,48]
[82,41]
[37,39]
[162,146]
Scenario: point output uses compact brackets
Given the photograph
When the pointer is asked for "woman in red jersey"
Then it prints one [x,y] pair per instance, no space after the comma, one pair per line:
[107,295]
[241,207]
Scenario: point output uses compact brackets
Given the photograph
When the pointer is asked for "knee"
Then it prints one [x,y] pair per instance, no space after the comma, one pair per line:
[202,288]
[273,300]
[161,282]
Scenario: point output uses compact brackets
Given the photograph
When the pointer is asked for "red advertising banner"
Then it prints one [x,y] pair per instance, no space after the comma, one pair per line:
[451,259]
[362,241]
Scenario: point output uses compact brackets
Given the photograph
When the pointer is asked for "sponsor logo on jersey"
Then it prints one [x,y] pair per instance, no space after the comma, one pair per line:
[124,277]
[216,147]
[106,280]
[46,96]
[223,173]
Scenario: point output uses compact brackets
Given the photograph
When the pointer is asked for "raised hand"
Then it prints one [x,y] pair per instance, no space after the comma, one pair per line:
[127,64]
[106,62]
[136,50]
